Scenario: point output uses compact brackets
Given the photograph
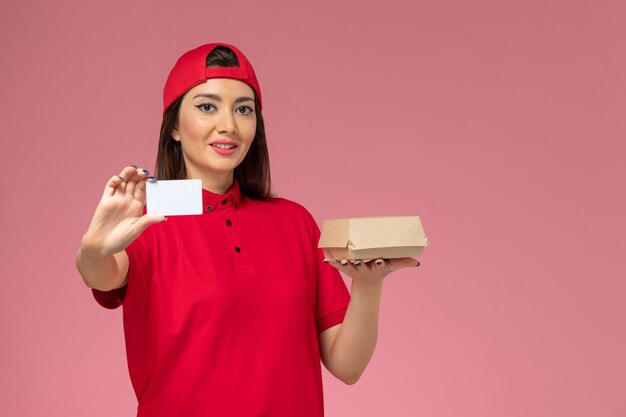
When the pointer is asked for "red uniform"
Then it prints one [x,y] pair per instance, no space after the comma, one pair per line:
[222,311]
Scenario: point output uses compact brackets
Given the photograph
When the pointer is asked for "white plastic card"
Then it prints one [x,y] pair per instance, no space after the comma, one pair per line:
[174,197]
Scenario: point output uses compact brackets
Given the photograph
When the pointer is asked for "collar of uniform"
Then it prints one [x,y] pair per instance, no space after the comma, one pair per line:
[212,201]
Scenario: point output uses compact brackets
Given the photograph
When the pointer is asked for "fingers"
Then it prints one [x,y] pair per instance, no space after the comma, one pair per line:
[359,262]
[342,265]
[400,263]
[125,181]
[356,264]
[140,189]
[126,174]
[363,263]
[113,183]
[147,220]
[139,174]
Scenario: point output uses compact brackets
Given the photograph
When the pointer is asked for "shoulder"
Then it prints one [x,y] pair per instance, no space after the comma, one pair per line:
[291,211]
[291,206]
[288,204]
[277,203]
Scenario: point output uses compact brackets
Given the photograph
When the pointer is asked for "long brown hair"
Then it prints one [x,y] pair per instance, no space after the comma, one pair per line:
[253,173]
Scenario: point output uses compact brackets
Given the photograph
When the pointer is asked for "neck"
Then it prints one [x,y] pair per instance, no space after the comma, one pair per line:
[215,182]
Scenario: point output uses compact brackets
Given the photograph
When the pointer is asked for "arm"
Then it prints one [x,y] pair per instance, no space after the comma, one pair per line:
[101,259]
[346,349]
[102,273]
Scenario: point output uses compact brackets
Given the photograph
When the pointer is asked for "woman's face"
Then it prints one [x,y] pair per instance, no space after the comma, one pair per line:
[220,110]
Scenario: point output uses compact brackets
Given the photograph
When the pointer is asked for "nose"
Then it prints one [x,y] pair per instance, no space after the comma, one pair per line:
[226,122]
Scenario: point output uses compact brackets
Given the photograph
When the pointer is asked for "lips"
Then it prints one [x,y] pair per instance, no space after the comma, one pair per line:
[224,144]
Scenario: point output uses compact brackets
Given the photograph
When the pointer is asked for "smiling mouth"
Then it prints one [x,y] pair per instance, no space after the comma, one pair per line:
[222,146]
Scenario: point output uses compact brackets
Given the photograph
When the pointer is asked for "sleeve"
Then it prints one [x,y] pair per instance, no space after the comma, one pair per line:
[332,294]
[110,299]
[136,263]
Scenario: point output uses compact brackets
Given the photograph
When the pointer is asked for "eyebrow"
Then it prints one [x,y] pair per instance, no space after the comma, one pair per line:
[219,99]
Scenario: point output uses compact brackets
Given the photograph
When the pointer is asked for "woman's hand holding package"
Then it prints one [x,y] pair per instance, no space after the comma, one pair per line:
[371,271]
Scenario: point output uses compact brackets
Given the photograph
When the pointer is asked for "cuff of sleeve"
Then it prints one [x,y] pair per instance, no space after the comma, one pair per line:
[110,299]
[330,320]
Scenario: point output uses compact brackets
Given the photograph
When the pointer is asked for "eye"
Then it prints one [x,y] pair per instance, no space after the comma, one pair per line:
[246,110]
[204,107]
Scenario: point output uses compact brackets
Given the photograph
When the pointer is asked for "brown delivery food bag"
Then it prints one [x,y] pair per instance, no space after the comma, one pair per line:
[384,237]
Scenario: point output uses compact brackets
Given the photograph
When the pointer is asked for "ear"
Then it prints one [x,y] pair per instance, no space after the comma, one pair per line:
[175,134]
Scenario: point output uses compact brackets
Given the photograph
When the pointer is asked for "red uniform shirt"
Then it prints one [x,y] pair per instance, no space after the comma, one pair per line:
[222,311]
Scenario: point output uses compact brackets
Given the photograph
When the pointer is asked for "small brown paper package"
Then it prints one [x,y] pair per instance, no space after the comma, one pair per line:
[384,237]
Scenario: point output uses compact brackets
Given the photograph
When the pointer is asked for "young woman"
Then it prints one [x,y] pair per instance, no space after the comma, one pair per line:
[227,313]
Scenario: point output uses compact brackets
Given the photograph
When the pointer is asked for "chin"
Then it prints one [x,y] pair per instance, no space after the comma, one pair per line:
[221,168]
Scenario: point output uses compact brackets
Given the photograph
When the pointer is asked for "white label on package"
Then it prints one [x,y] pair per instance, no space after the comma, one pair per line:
[174,197]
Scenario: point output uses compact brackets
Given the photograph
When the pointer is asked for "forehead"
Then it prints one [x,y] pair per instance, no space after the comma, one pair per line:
[225,87]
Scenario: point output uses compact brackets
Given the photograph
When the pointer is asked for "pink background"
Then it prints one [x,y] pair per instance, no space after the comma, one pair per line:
[501,124]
